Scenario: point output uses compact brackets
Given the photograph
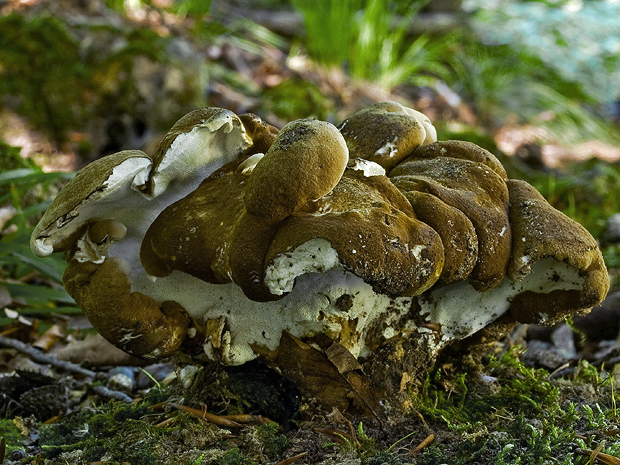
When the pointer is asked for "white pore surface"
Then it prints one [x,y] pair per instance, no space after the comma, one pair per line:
[314,256]
[248,165]
[217,140]
[461,310]
[312,307]
[369,168]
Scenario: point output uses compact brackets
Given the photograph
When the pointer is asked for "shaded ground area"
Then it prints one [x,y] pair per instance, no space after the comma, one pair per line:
[508,410]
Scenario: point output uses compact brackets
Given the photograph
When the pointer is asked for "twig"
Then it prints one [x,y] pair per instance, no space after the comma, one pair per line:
[248,419]
[167,422]
[40,357]
[426,442]
[337,436]
[111,394]
[211,418]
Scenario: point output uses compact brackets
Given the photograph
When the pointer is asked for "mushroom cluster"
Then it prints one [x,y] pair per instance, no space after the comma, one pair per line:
[235,233]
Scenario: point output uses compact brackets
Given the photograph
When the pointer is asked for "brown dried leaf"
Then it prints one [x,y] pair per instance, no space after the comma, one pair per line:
[605,459]
[329,373]
[56,333]
[97,351]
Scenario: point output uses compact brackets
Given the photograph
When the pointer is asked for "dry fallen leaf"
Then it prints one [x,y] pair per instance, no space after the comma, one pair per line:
[56,333]
[98,352]
[328,372]
[605,459]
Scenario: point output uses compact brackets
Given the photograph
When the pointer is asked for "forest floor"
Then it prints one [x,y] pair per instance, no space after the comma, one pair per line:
[539,396]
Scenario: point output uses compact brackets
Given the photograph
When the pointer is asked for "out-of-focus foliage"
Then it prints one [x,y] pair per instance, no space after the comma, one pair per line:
[296,97]
[179,7]
[587,192]
[504,80]
[361,35]
[579,39]
[63,78]
[40,67]
[27,191]
[550,63]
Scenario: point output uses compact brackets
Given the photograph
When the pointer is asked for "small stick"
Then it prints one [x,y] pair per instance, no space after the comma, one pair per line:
[167,422]
[425,443]
[211,418]
[338,436]
[248,419]
[110,394]
[40,357]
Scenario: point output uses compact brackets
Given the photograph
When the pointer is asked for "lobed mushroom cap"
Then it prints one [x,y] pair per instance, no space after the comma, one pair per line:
[374,232]
[92,193]
[262,133]
[365,220]
[449,184]
[101,216]
[541,232]
[305,162]
[386,133]
[132,187]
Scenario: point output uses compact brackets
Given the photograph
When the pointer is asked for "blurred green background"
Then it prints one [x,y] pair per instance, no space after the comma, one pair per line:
[535,82]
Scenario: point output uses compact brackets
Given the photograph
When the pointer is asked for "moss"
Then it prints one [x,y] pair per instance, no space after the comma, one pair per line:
[235,457]
[275,443]
[385,458]
[11,435]
[107,430]
[518,415]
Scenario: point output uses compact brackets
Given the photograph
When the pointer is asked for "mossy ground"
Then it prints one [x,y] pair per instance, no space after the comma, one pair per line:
[506,414]
[514,414]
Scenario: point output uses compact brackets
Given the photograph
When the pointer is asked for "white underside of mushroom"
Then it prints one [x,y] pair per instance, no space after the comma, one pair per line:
[462,310]
[315,256]
[369,168]
[339,304]
[190,159]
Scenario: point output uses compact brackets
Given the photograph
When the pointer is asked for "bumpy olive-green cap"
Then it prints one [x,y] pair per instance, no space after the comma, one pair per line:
[305,162]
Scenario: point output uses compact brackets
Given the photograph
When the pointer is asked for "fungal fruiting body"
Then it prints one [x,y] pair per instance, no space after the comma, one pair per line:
[234,233]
